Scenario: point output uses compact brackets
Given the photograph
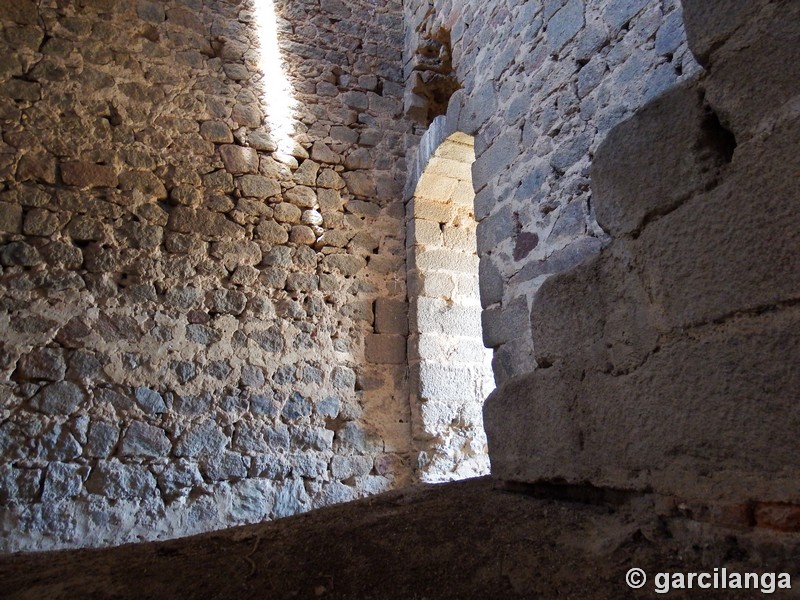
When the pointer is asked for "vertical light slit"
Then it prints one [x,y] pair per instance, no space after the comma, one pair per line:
[277,92]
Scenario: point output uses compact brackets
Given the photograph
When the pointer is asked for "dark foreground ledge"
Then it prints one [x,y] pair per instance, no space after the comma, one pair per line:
[461,540]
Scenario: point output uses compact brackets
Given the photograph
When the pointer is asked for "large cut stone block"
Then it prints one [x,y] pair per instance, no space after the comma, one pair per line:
[751,48]
[709,23]
[712,414]
[665,160]
[736,248]
[597,313]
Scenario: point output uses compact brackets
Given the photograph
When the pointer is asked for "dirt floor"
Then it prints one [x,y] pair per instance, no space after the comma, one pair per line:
[459,540]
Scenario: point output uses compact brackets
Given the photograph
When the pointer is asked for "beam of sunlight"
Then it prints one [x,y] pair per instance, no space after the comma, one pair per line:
[277,93]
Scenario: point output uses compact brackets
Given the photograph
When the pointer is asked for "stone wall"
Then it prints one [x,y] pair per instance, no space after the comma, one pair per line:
[194,308]
[541,84]
[669,362]
[203,244]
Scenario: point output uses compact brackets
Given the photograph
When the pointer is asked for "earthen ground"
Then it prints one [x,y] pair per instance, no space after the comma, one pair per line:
[469,539]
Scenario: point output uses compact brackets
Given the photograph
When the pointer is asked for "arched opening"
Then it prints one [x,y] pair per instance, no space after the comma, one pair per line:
[450,369]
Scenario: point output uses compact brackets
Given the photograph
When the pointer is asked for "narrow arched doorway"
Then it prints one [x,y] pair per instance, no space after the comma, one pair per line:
[450,369]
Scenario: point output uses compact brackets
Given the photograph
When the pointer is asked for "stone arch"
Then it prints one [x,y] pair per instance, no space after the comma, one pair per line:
[450,370]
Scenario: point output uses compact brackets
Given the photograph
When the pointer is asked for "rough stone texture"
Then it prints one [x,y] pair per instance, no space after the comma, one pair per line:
[450,371]
[689,154]
[403,544]
[203,262]
[542,84]
[669,362]
[169,252]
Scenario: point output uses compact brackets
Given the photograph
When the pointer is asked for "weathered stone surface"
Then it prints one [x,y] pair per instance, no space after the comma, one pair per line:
[302,196]
[687,373]
[150,163]
[60,398]
[654,354]
[252,376]
[710,24]
[185,195]
[45,363]
[143,236]
[10,217]
[88,175]
[754,71]
[238,159]
[346,264]
[391,316]
[689,154]
[192,404]
[287,213]
[119,481]
[41,222]
[265,404]
[234,254]
[343,378]
[344,467]
[272,232]
[201,334]
[261,141]
[564,25]
[177,478]
[254,500]
[216,131]
[19,254]
[499,324]
[328,407]
[226,302]
[386,349]
[352,438]
[296,407]
[302,234]
[36,167]
[619,12]
[141,439]
[225,466]
[360,183]
[256,186]
[203,222]
[329,179]
[320,152]
[149,401]
[62,481]
[221,181]
[145,182]
[618,333]
[205,439]
[101,439]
